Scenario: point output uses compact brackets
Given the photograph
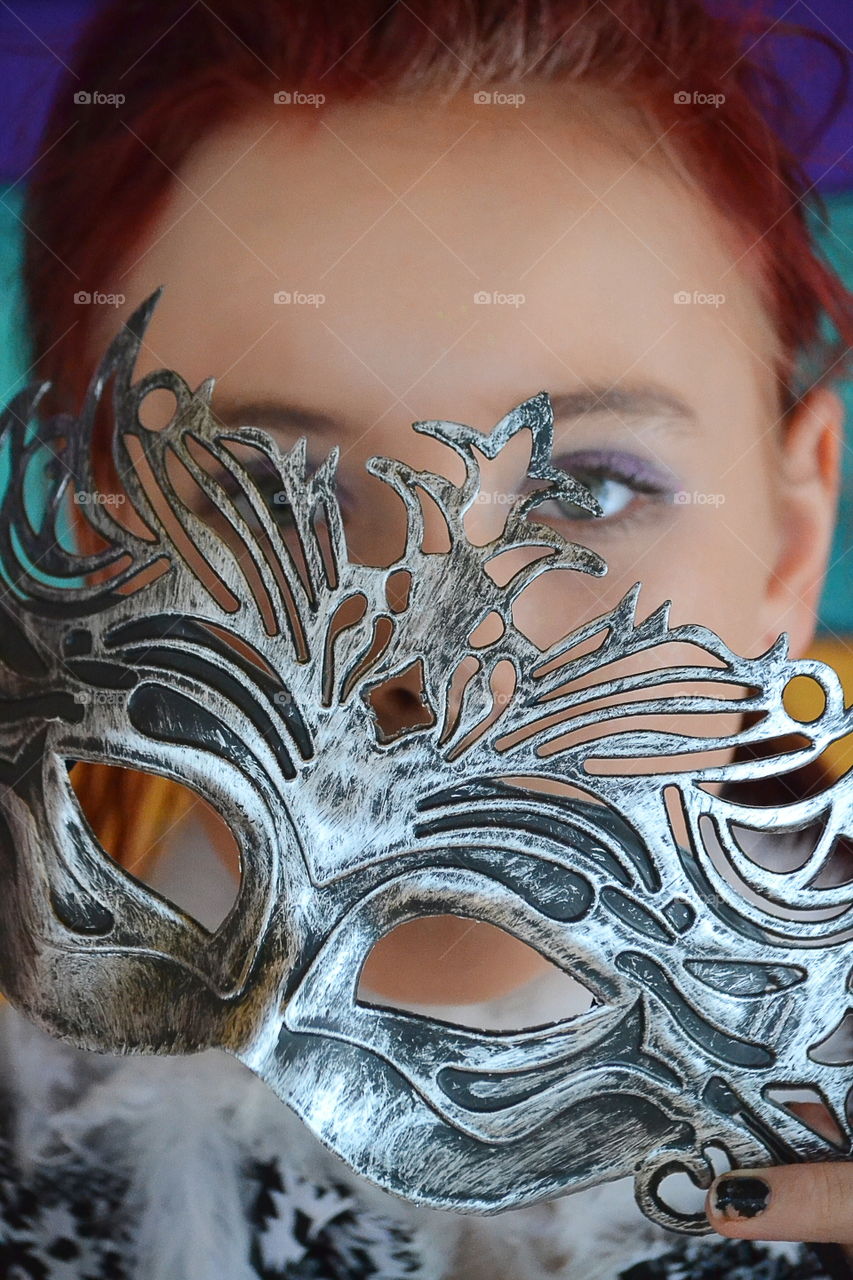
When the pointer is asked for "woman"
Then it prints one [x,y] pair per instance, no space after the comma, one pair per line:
[358,215]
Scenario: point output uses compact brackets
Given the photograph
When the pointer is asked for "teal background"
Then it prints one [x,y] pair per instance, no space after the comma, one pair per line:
[836,607]
[836,238]
[14,359]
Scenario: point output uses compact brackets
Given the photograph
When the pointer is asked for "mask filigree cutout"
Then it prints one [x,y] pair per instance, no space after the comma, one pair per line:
[241,661]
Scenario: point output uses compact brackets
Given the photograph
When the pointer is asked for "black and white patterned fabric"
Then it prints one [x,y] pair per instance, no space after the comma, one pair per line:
[738,1260]
[67,1223]
[70,1222]
[304,1230]
[140,1168]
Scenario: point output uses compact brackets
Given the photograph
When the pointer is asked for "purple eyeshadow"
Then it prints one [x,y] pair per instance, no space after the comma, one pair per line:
[639,473]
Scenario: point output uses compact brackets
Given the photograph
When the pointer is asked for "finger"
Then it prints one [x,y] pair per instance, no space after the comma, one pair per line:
[807,1202]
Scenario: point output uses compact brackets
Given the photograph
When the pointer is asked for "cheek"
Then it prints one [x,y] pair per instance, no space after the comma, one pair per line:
[711,559]
[719,570]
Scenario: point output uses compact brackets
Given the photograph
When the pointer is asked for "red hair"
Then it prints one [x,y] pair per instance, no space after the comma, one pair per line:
[104,174]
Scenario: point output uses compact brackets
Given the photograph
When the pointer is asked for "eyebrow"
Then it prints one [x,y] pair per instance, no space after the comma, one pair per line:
[275,414]
[641,400]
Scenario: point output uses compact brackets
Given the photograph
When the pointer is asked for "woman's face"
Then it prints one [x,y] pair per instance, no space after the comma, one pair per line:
[346,271]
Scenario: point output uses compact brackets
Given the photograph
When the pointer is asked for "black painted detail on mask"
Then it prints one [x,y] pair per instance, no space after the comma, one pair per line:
[78,910]
[741,978]
[720,1044]
[102,675]
[680,915]
[558,893]
[77,642]
[40,707]
[236,693]
[144,634]
[535,814]
[621,1047]
[635,916]
[169,716]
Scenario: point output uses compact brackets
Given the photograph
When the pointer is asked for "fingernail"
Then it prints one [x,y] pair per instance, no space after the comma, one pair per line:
[741,1196]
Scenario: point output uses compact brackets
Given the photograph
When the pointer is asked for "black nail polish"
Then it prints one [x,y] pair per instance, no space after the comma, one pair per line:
[741,1197]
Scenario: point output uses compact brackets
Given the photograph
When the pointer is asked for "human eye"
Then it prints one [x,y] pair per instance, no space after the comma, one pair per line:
[624,484]
[227,497]
[231,493]
[268,484]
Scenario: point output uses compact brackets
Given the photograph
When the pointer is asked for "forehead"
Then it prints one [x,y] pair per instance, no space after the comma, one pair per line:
[448,257]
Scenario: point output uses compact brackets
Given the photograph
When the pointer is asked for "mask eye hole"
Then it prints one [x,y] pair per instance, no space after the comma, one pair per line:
[469,973]
[164,834]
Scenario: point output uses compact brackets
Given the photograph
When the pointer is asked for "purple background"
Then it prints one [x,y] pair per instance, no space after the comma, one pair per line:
[36,36]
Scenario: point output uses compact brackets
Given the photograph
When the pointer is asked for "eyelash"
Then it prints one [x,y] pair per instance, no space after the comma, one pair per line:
[266,485]
[649,482]
[645,479]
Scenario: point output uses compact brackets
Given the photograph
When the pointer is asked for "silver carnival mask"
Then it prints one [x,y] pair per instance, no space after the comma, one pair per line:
[722,985]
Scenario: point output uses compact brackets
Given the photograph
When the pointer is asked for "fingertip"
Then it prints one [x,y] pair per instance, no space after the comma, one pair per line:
[811,1202]
[737,1202]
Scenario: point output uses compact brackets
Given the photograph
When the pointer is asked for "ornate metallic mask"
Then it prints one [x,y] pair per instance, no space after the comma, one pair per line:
[243,661]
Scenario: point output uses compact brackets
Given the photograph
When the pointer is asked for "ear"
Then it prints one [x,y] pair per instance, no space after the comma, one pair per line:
[808,470]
